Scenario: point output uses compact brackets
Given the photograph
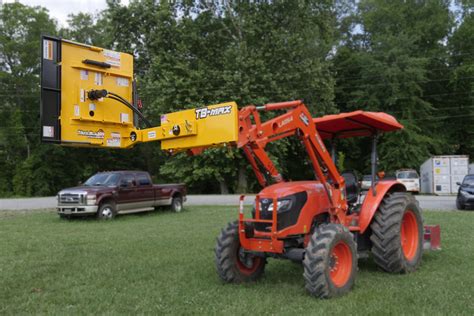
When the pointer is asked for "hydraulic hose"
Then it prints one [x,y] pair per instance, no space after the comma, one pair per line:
[97,94]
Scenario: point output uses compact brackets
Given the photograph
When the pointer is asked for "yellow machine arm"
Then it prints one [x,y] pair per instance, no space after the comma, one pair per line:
[88,99]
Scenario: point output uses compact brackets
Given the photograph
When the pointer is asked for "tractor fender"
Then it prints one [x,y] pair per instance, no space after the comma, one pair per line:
[371,203]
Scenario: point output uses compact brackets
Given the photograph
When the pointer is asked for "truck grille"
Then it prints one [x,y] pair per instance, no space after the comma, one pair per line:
[71,198]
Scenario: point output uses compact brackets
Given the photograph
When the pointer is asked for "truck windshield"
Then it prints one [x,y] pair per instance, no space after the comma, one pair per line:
[368,177]
[105,179]
[407,175]
[469,180]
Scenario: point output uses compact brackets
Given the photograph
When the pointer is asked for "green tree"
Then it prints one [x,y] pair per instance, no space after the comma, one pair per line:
[389,62]
[461,45]
[20,30]
[210,52]
[88,29]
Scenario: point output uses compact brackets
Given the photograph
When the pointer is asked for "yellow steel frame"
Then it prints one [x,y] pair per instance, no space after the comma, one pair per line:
[108,123]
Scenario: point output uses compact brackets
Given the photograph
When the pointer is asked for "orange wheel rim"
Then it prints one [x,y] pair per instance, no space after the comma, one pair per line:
[409,235]
[340,264]
[246,268]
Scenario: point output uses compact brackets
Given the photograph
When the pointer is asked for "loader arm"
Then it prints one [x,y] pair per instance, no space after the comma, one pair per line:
[297,121]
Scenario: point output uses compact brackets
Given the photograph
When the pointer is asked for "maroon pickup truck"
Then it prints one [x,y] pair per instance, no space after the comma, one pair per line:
[107,194]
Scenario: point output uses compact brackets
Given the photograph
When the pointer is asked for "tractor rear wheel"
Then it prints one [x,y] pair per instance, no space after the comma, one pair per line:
[234,265]
[330,261]
[397,233]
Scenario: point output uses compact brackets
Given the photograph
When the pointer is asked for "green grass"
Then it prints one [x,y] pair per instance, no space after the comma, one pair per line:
[163,262]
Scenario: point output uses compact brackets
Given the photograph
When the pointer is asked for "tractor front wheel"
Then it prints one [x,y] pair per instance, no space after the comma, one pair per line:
[330,262]
[397,233]
[234,264]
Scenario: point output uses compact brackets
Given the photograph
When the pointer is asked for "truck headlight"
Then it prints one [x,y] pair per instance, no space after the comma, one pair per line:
[282,205]
[464,193]
[91,199]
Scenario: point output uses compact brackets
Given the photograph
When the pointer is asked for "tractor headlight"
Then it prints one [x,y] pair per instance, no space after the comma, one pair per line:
[90,199]
[282,205]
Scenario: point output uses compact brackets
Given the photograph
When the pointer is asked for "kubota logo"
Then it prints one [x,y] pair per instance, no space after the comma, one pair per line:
[202,113]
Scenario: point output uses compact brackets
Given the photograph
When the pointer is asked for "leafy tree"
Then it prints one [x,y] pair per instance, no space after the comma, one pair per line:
[206,53]
[386,64]
[87,28]
[461,101]
[20,30]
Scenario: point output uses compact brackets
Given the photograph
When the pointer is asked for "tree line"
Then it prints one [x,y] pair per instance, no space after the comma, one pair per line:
[412,59]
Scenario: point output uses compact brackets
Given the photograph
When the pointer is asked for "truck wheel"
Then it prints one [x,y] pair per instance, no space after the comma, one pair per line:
[177,204]
[397,233]
[233,264]
[106,211]
[330,261]
[459,205]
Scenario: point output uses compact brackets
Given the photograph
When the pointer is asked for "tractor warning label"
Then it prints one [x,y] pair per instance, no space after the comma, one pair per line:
[202,113]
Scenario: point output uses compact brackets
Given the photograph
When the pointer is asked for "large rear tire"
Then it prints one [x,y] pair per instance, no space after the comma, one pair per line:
[397,233]
[330,263]
[233,264]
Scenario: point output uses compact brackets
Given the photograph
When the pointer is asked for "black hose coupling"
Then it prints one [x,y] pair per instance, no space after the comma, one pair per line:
[97,94]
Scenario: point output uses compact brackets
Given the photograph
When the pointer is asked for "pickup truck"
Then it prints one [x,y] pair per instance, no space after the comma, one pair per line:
[107,194]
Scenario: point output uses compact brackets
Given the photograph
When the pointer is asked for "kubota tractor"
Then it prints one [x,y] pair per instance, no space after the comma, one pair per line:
[89,99]
[320,222]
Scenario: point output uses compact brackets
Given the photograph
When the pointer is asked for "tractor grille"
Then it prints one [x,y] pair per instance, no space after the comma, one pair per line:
[284,219]
[71,198]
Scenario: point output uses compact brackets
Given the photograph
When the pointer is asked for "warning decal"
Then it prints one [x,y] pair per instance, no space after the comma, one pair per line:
[112,58]
[47,49]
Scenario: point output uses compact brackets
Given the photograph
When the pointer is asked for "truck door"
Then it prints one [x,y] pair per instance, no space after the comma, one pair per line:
[145,191]
[127,193]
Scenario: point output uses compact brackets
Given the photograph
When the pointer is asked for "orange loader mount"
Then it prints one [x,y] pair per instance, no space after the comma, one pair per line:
[320,222]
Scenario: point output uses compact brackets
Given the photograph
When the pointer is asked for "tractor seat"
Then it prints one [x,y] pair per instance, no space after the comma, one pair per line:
[352,186]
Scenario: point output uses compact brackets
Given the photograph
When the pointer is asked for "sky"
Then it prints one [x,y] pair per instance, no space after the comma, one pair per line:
[60,9]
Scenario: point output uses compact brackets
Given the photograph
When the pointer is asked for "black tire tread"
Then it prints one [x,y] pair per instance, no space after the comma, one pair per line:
[386,246]
[225,256]
[316,260]
[177,196]
[102,205]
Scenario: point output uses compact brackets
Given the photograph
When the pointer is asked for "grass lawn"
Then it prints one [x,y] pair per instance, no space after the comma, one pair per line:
[163,262]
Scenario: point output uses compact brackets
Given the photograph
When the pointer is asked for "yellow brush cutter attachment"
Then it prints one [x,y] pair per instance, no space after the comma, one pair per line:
[88,98]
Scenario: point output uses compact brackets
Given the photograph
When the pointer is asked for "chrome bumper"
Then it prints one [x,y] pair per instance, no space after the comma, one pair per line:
[77,209]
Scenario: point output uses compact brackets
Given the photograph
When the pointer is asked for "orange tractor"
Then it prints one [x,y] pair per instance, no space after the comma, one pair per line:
[320,222]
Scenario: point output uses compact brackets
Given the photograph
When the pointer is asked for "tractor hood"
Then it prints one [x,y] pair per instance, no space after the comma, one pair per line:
[283,189]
